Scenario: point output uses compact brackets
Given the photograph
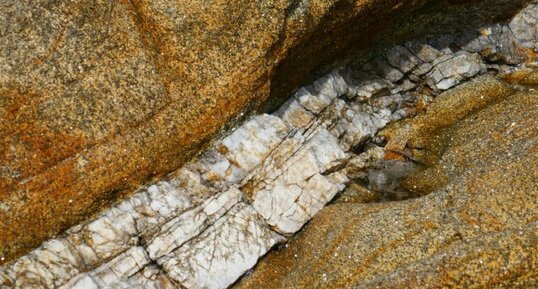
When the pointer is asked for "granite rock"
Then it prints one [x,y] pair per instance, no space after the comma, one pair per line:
[451,72]
[473,227]
[208,223]
[401,58]
[98,98]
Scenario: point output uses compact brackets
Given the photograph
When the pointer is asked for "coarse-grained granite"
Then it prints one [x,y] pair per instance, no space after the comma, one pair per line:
[475,226]
[98,97]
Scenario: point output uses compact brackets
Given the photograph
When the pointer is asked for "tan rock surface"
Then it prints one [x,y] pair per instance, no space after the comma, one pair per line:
[476,228]
[99,97]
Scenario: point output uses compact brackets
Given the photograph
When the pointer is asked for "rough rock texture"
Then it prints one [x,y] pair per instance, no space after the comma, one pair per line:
[98,98]
[223,252]
[206,224]
[476,226]
[209,222]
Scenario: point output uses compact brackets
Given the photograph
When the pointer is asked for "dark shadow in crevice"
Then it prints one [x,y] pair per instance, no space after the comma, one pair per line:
[337,40]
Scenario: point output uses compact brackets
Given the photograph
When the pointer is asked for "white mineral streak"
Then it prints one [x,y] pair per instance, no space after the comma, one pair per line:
[223,252]
[451,72]
[190,224]
[401,58]
[209,222]
[122,226]
[291,189]
[47,267]
[241,151]
[294,114]
[121,267]
[151,277]
[320,94]
[525,26]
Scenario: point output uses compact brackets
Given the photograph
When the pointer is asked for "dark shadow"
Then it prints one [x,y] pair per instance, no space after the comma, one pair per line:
[364,35]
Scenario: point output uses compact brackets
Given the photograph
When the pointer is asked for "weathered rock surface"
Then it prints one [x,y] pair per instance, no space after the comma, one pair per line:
[98,98]
[225,251]
[206,224]
[476,225]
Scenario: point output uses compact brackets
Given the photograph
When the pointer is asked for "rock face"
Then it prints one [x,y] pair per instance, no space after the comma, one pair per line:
[97,98]
[475,226]
[207,223]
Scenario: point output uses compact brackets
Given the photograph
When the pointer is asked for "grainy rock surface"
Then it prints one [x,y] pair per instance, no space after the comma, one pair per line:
[98,98]
[475,228]
[206,224]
